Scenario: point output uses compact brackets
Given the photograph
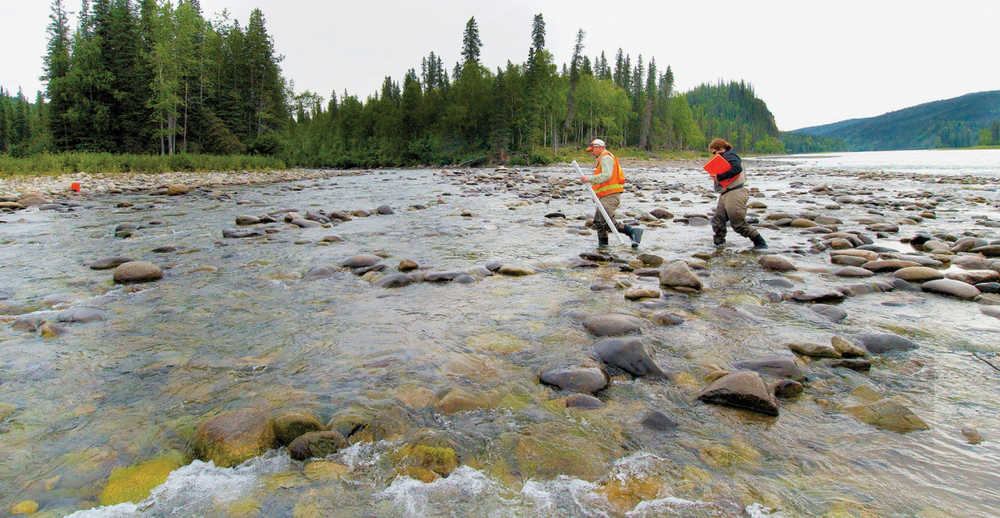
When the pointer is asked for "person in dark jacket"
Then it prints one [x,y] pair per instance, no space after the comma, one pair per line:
[733,196]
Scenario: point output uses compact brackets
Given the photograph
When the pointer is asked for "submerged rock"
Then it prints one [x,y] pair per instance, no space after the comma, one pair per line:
[887,414]
[108,263]
[833,313]
[658,421]
[232,437]
[289,425]
[585,401]
[741,389]
[612,325]
[137,271]
[627,354]
[778,366]
[316,444]
[134,483]
[884,343]
[82,315]
[777,263]
[587,380]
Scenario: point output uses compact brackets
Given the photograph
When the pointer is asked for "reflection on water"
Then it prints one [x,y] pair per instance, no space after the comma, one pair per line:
[925,161]
[233,325]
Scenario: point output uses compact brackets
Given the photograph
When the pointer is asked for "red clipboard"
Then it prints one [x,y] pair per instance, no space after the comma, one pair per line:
[717,165]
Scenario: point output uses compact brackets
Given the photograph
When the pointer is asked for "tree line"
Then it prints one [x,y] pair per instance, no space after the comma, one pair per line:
[151,77]
[148,76]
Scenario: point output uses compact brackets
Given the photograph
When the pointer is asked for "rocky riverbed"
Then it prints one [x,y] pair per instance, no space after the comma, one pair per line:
[450,342]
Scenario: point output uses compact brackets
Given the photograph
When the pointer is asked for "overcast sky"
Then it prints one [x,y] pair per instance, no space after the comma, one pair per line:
[812,62]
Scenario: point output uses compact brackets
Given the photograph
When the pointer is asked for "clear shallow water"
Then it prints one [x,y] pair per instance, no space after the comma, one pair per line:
[253,334]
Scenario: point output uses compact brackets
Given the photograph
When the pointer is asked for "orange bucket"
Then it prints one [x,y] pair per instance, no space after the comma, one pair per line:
[75,186]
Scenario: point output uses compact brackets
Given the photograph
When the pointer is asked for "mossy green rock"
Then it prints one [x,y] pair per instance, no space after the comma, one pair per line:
[134,483]
[233,437]
[887,414]
[440,460]
[290,425]
[316,445]
[548,450]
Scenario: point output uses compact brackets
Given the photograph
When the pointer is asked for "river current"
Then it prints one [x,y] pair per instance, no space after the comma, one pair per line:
[233,324]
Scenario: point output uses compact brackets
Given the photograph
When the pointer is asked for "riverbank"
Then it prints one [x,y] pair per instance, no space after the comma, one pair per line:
[58,186]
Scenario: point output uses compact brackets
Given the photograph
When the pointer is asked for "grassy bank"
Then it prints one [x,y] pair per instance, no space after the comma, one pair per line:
[110,163]
[60,163]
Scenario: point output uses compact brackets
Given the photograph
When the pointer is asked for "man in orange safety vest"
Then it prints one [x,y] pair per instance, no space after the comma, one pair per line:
[608,182]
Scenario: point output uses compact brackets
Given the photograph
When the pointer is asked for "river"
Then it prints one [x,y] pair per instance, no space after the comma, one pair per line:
[233,325]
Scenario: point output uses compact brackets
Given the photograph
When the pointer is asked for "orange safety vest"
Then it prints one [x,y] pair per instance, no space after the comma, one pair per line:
[615,184]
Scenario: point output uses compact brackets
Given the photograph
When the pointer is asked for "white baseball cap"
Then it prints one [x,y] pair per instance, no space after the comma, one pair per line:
[596,143]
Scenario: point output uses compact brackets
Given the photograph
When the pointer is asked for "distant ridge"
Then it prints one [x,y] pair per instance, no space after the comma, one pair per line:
[955,122]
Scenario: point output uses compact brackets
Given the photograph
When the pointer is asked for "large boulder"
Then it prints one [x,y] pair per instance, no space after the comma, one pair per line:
[887,414]
[678,275]
[814,350]
[612,324]
[962,290]
[137,271]
[741,389]
[232,437]
[777,263]
[316,444]
[918,274]
[853,271]
[395,280]
[586,380]
[514,270]
[626,354]
[888,265]
[362,261]
[290,425]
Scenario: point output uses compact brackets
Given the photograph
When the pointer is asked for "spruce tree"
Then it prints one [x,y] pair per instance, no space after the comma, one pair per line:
[56,66]
[471,44]
[4,122]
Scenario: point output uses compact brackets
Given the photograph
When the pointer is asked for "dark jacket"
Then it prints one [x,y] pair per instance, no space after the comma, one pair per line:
[735,169]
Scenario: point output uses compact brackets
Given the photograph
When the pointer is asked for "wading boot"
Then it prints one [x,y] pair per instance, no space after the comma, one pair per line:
[758,242]
[636,234]
[719,241]
[602,241]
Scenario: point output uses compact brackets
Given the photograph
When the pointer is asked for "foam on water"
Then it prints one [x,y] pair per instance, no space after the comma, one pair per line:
[565,496]
[757,510]
[477,493]
[192,489]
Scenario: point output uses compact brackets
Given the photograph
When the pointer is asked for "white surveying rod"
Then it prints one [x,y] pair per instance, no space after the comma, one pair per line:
[597,201]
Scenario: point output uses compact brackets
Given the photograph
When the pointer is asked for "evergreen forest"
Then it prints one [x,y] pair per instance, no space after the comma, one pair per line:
[151,77]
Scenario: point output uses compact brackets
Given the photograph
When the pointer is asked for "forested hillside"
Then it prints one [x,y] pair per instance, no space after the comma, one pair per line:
[733,111]
[969,120]
[152,77]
